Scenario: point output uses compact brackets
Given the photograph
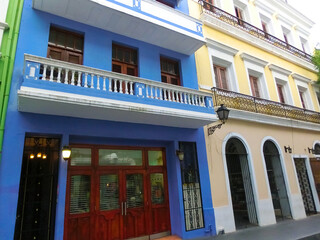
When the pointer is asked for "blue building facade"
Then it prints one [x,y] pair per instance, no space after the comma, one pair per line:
[116,81]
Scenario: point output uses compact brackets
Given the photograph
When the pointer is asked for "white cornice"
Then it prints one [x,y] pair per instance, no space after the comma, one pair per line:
[278,69]
[272,120]
[221,47]
[252,59]
[234,32]
[286,9]
[300,78]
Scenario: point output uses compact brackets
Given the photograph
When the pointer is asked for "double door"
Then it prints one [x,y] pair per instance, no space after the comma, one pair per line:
[122,195]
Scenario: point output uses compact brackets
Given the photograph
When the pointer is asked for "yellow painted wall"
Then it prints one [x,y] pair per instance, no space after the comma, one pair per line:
[203,63]
[253,134]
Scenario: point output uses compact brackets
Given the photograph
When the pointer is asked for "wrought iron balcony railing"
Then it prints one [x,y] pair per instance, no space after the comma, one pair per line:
[247,27]
[253,104]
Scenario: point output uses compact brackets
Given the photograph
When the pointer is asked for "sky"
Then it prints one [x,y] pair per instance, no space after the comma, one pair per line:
[311,9]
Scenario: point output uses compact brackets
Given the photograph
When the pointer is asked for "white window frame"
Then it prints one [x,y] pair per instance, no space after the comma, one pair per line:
[281,76]
[242,5]
[302,84]
[268,22]
[255,67]
[223,55]
[304,44]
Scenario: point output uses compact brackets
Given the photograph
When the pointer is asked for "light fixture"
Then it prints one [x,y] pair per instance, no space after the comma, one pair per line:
[44,156]
[39,155]
[31,156]
[311,150]
[66,153]
[223,114]
[288,149]
[180,155]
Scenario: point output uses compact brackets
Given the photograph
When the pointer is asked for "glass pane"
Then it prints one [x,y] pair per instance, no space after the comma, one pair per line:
[79,194]
[157,186]
[134,190]
[155,158]
[109,192]
[112,157]
[80,157]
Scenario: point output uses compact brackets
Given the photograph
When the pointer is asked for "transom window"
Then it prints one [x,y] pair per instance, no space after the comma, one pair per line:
[170,71]
[220,77]
[124,60]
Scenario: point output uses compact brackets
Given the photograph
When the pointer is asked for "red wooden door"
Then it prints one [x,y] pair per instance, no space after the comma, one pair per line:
[315,166]
[107,200]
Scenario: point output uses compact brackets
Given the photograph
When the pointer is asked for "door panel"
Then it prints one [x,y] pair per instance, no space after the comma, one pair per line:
[109,222]
[135,223]
[315,166]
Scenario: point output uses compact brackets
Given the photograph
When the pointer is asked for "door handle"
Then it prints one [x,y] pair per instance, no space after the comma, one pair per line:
[125,208]
[122,208]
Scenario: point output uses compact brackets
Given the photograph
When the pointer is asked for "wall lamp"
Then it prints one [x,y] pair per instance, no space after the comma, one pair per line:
[311,150]
[223,114]
[288,149]
[180,155]
[66,153]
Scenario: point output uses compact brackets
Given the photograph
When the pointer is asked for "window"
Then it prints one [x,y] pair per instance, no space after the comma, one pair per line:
[254,86]
[65,46]
[286,35]
[209,5]
[280,93]
[170,3]
[170,71]
[264,26]
[220,77]
[239,15]
[124,60]
[301,94]
[304,45]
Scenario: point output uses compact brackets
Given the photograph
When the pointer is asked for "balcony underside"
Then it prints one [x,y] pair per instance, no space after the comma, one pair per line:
[34,100]
[150,21]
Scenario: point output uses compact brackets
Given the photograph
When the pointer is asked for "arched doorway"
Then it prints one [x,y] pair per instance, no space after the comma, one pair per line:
[276,181]
[243,203]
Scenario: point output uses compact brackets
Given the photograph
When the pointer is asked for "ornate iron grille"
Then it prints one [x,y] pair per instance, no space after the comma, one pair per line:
[191,188]
[247,27]
[258,105]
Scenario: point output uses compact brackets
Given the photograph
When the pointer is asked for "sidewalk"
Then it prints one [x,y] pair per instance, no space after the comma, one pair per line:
[286,230]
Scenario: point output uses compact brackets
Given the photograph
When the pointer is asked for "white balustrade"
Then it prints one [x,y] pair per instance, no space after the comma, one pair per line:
[86,77]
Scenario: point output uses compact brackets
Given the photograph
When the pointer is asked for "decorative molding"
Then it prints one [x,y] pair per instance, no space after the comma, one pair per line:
[278,69]
[221,47]
[301,78]
[59,103]
[252,59]
[205,87]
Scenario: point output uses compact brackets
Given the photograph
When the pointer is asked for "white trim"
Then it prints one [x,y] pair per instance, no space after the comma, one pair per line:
[252,176]
[223,55]
[255,67]
[76,105]
[234,32]
[223,216]
[283,169]
[221,47]
[273,120]
[205,87]
[252,59]
[301,78]
[281,76]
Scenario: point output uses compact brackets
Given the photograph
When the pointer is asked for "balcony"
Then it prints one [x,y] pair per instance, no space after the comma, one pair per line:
[252,30]
[257,105]
[59,88]
[145,20]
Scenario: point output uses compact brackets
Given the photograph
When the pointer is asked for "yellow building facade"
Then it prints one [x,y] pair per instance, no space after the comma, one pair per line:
[264,162]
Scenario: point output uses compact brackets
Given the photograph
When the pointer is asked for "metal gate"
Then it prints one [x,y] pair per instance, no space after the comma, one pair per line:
[243,201]
[304,184]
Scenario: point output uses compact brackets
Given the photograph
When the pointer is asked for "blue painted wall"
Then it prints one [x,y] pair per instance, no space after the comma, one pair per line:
[33,39]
